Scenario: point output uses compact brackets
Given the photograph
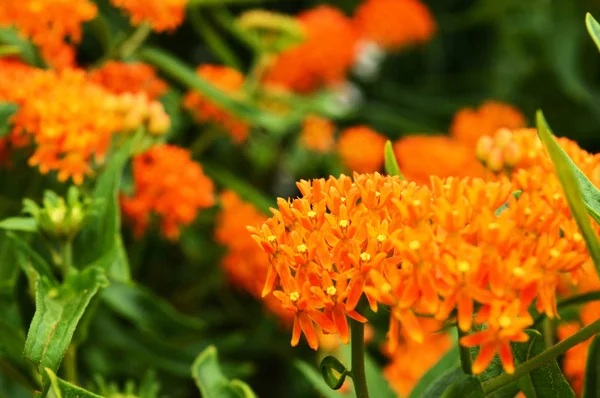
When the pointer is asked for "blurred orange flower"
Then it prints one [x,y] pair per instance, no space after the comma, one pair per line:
[317,134]
[169,185]
[323,58]
[50,24]
[162,15]
[393,24]
[420,157]
[121,77]
[470,124]
[361,149]
[229,81]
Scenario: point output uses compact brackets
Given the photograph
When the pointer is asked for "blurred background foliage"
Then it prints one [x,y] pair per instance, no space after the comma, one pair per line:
[532,54]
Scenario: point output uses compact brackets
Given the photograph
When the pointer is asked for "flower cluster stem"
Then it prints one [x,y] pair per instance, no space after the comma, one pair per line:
[543,358]
[67,256]
[466,361]
[357,333]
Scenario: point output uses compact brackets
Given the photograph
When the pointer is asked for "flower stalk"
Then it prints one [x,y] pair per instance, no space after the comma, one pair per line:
[466,361]
[357,333]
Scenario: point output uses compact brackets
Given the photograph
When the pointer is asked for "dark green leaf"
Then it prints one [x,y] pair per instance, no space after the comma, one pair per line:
[63,389]
[30,261]
[593,28]
[465,387]
[443,381]
[24,224]
[581,194]
[149,387]
[449,360]
[546,381]
[7,109]
[591,388]
[58,311]
[334,372]
[149,312]
[314,379]
[391,163]
[211,381]
[27,50]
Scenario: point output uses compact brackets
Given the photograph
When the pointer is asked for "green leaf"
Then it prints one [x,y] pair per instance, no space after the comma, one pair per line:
[24,224]
[546,381]
[7,109]
[314,379]
[149,312]
[58,311]
[63,389]
[593,28]
[211,381]
[443,381]
[591,388]
[334,372]
[581,194]
[449,360]
[391,163]
[499,210]
[465,387]
[27,51]
[30,261]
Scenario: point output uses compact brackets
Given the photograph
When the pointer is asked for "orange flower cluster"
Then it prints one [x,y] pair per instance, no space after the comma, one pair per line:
[49,24]
[323,58]
[245,263]
[361,149]
[162,15]
[317,134]
[229,81]
[120,77]
[421,250]
[170,185]
[421,156]
[393,24]
[70,134]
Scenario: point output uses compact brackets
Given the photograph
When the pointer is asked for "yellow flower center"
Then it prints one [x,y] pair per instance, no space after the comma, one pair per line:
[554,253]
[312,214]
[343,224]
[301,248]
[577,237]
[382,238]
[331,290]
[414,245]
[295,296]
[463,266]
[271,238]
[386,288]
[365,257]
[493,225]
[518,271]
[527,211]
[416,202]
[504,321]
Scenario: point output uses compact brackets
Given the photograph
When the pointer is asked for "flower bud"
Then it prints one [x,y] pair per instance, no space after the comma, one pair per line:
[512,154]
[495,161]
[483,148]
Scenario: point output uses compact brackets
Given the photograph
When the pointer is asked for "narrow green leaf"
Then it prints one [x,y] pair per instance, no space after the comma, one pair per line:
[591,388]
[27,51]
[593,28]
[7,109]
[499,210]
[24,224]
[63,389]
[443,382]
[58,311]
[314,379]
[448,361]
[391,163]
[333,371]
[582,196]
[465,387]
[211,381]
[149,312]
[30,261]
[547,381]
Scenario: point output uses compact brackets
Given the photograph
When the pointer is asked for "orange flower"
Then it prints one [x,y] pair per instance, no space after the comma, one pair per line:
[204,110]
[317,134]
[162,15]
[470,124]
[393,24]
[50,24]
[420,157]
[170,185]
[361,149]
[120,78]
[323,58]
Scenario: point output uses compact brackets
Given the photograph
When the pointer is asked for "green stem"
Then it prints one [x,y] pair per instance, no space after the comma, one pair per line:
[67,256]
[543,358]
[219,47]
[70,363]
[135,40]
[466,361]
[548,332]
[357,333]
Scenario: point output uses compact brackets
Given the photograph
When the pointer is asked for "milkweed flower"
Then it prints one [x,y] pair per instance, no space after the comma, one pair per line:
[323,58]
[50,24]
[361,149]
[120,77]
[420,157]
[162,15]
[393,24]
[470,124]
[168,184]
[317,134]
[231,82]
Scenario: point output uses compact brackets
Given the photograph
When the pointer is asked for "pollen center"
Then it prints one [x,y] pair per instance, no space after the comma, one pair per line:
[554,253]
[343,223]
[295,296]
[518,271]
[504,321]
[365,257]
[271,238]
[301,248]
[331,290]
[577,237]
[312,214]
[414,245]
[463,266]
[382,238]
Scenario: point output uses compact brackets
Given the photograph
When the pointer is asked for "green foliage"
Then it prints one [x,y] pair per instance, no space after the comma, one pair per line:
[7,109]
[315,379]
[334,372]
[593,28]
[465,387]
[62,389]
[211,381]
[448,361]
[391,163]
[24,224]
[591,387]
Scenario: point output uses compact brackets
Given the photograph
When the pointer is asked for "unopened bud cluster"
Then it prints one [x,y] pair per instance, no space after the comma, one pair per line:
[137,110]
[499,152]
